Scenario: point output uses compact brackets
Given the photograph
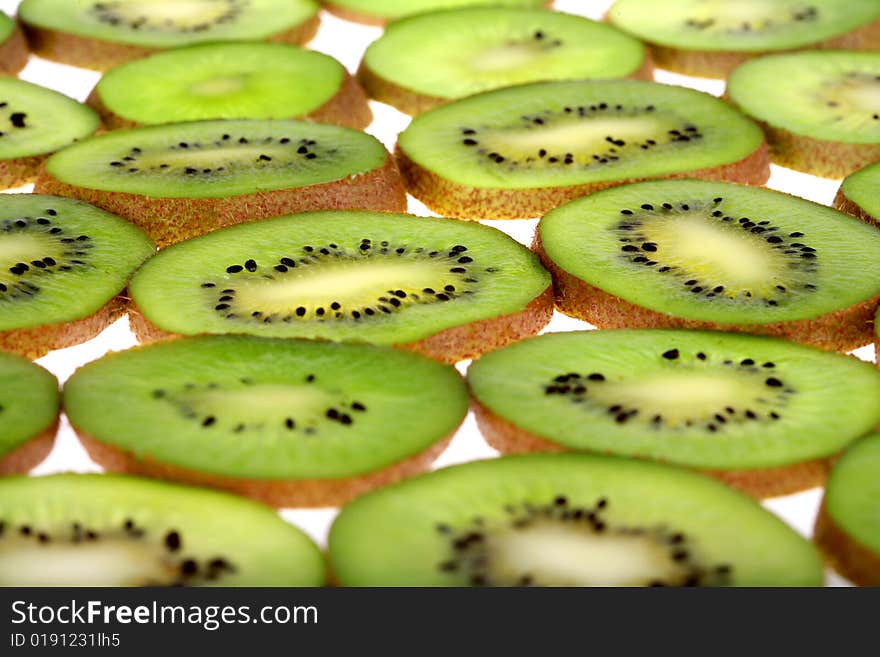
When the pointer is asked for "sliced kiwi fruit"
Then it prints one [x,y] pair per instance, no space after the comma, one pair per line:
[29,403]
[565,520]
[378,12]
[106,530]
[858,194]
[34,122]
[288,422]
[521,151]
[13,47]
[62,265]
[847,527]
[442,287]
[184,179]
[819,110]
[764,415]
[712,37]
[697,254]
[429,59]
[100,34]
[230,81]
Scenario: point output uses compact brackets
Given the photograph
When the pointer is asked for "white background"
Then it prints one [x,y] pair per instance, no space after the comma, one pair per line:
[346,41]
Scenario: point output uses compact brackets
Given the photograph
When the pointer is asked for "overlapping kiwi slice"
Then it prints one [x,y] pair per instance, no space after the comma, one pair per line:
[521,151]
[35,121]
[858,194]
[13,48]
[711,37]
[697,254]
[445,288]
[428,59]
[847,527]
[288,422]
[820,110]
[378,12]
[29,402]
[105,530]
[565,520]
[62,265]
[230,81]
[762,414]
[185,179]
[99,34]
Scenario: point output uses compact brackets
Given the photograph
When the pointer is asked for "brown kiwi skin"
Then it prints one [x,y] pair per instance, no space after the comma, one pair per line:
[842,330]
[13,52]
[447,346]
[348,108]
[369,19]
[846,555]
[100,55]
[759,483]
[453,200]
[845,205]
[31,453]
[171,220]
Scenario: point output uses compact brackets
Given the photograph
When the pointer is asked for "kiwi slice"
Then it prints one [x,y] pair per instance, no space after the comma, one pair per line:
[100,34]
[35,121]
[712,37]
[426,60]
[445,288]
[697,254]
[29,403]
[13,47]
[521,151]
[230,81]
[288,422]
[378,12]
[761,414]
[105,530]
[820,110]
[62,265]
[858,194]
[184,179]
[565,520]
[847,527]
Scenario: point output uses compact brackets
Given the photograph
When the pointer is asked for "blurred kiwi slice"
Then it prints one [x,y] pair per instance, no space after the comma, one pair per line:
[184,179]
[847,527]
[820,110]
[711,37]
[521,151]
[287,422]
[378,12]
[62,265]
[428,59]
[858,194]
[230,81]
[698,254]
[106,530]
[13,47]
[100,34]
[565,520]
[34,122]
[442,287]
[764,415]
[29,402]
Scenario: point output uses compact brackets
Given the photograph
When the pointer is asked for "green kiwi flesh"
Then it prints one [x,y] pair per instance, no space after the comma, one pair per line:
[251,408]
[714,401]
[29,402]
[106,530]
[565,520]
[379,11]
[7,26]
[858,194]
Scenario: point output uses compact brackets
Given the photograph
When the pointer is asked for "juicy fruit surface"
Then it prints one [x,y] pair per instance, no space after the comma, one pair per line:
[833,95]
[853,490]
[565,520]
[35,120]
[168,23]
[707,400]
[275,409]
[205,159]
[861,188]
[362,276]
[221,81]
[744,25]
[391,9]
[61,259]
[28,401]
[7,25]
[105,530]
[568,133]
[715,252]
[458,53]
